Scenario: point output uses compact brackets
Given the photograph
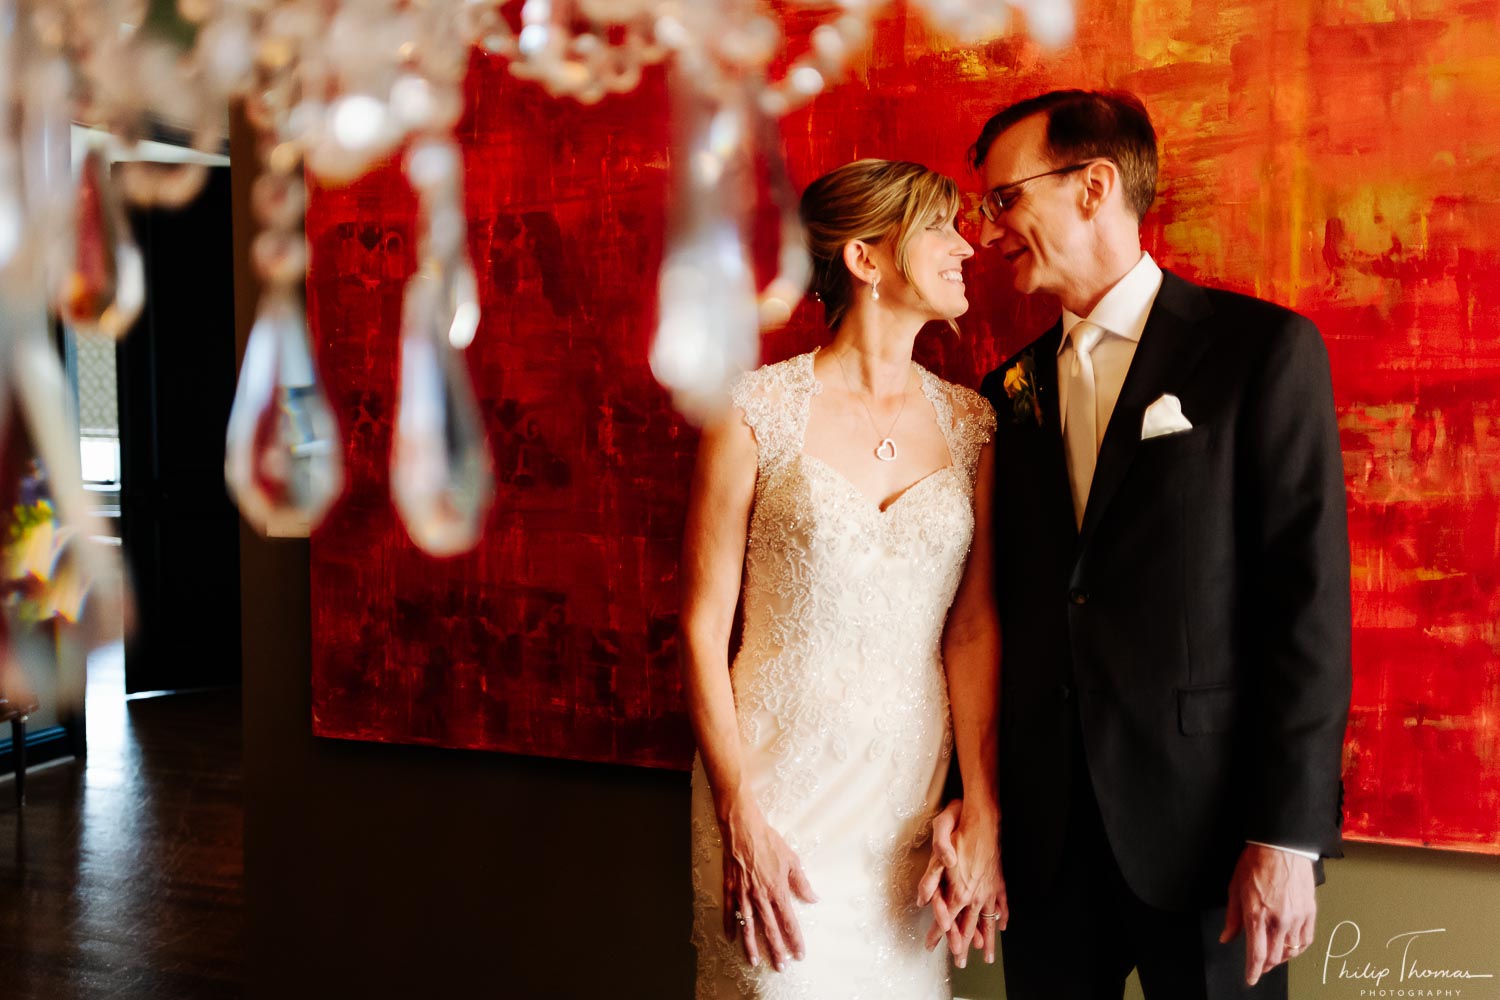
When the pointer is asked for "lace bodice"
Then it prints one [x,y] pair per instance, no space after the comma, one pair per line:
[840,693]
[829,574]
[819,546]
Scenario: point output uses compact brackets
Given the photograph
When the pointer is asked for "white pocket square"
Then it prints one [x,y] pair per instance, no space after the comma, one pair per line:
[1164,417]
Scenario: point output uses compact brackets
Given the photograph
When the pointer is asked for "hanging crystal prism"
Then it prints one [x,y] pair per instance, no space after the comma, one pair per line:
[461,297]
[793,263]
[282,457]
[441,475]
[1051,22]
[103,287]
[12,209]
[708,330]
[12,222]
[46,156]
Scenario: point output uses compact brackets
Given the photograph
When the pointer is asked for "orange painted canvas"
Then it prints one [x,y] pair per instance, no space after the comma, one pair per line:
[1342,158]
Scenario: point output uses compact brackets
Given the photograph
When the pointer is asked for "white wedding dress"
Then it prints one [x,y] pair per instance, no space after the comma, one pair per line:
[841,699]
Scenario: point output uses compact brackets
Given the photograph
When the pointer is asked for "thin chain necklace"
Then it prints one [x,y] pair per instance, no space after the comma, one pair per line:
[886,450]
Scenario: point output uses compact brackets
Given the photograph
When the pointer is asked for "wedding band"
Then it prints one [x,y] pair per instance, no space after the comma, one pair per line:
[990,916]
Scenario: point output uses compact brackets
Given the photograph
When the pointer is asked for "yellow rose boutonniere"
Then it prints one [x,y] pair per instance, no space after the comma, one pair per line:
[1020,386]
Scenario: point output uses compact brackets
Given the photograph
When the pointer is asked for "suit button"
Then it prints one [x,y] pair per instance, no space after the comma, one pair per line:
[1065,691]
[1078,597]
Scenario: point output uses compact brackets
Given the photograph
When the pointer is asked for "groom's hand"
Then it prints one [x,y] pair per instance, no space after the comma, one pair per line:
[963,882]
[1271,898]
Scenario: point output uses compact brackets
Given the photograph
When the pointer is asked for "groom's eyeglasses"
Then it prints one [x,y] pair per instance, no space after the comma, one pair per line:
[994,203]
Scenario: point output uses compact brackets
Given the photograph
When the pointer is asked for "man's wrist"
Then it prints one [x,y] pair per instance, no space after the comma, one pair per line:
[978,813]
[1299,851]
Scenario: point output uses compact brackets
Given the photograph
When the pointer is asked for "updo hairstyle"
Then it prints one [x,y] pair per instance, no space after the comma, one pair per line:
[872,201]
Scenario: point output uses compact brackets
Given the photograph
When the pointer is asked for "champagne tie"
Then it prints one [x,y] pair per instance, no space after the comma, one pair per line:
[1080,423]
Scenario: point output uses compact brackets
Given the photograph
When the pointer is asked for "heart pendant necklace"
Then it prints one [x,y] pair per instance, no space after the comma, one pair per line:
[886,450]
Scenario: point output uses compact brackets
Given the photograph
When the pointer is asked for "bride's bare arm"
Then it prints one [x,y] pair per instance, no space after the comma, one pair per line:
[713,553]
[971,657]
[760,871]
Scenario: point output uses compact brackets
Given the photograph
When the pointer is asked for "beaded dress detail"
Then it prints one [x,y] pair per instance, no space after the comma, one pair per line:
[841,698]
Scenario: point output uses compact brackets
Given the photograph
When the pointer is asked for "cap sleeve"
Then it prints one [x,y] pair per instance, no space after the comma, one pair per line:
[973,427]
[771,399]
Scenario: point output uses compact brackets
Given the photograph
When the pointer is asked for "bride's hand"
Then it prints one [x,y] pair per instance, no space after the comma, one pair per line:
[964,881]
[760,875]
[932,890]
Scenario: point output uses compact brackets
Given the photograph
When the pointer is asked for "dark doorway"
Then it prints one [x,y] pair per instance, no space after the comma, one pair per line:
[177,377]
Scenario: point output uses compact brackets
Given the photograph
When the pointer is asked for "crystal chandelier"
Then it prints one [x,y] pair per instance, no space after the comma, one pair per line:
[333,87]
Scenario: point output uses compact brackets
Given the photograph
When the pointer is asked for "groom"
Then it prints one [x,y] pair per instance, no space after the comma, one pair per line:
[1173,587]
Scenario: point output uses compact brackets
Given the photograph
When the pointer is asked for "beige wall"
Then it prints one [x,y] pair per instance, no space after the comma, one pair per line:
[1385,891]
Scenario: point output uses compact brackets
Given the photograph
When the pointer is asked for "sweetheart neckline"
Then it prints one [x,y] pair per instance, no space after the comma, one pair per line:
[849,483]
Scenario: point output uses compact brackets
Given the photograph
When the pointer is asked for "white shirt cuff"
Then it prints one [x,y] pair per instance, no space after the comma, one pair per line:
[1309,855]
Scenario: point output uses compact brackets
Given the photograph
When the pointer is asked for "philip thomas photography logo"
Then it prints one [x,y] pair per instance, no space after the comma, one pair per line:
[1407,966]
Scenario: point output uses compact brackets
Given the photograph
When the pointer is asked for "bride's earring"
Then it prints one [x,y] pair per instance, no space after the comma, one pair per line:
[875,289]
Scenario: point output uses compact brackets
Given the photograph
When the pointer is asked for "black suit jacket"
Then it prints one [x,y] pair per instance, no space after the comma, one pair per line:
[1199,623]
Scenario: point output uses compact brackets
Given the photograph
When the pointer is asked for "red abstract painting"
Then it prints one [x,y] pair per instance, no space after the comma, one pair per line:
[1339,158]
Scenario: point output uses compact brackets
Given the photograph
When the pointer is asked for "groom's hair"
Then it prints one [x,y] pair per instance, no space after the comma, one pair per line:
[1084,125]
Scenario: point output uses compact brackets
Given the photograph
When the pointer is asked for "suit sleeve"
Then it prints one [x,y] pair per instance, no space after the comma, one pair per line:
[1298,587]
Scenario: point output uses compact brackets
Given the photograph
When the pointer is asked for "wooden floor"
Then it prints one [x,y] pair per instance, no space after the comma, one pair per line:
[122,879]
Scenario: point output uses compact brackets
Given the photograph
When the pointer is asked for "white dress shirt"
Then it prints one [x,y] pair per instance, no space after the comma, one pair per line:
[1122,315]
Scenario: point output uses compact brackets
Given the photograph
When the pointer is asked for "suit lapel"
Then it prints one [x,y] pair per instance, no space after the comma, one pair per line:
[1169,349]
[1053,462]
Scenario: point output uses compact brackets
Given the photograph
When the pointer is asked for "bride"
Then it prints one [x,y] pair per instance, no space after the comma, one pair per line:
[851,487]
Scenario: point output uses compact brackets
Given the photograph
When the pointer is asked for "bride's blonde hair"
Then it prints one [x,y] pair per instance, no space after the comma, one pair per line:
[871,201]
